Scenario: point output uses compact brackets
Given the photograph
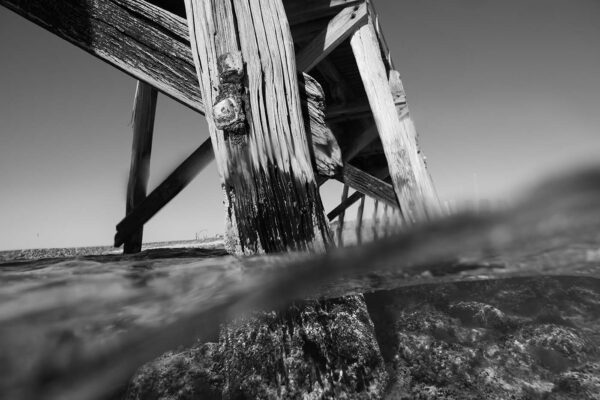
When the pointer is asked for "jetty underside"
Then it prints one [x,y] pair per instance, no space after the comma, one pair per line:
[355,113]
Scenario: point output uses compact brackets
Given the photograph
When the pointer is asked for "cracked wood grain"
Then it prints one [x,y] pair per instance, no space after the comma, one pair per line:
[271,197]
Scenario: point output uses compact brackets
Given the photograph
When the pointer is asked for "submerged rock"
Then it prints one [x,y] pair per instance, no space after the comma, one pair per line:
[313,350]
[507,339]
[520,338]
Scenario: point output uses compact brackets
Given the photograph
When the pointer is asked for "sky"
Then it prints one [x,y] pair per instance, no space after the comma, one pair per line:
[503,93]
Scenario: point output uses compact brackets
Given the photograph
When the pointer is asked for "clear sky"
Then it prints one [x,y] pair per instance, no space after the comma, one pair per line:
[502,93]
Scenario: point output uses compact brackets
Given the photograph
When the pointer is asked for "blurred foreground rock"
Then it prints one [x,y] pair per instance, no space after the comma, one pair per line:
[534,338]
[313,350]
[518,338]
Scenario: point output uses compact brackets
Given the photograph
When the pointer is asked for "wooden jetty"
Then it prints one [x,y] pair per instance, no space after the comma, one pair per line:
[307,93]
[295,92]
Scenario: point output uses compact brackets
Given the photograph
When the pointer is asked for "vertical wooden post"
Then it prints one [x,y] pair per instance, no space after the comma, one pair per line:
[244,56]
[342,216]
[144,111]
[401,154]
[376,220]
[245,60]
[386,220]
[359,221]
[420,166]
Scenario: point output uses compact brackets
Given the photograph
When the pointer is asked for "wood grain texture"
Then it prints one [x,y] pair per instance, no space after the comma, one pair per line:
[165,192]
[325,149]
[339,28]
[144,112]
[401,154]
[141,39]
[137,37]
[369,185]
[271,198]
[382,174]
[420,165]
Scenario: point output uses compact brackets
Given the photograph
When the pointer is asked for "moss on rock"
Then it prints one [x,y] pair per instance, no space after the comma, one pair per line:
[313,350]
[507,339]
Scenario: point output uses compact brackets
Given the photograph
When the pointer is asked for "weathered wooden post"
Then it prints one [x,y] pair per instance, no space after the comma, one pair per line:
[359,221]
[341,218]
[144,111]
[244,56]
[245,60]
[411,182]
[376,220]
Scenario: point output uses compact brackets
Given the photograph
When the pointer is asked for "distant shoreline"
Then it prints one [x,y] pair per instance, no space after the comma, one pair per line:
[65,252]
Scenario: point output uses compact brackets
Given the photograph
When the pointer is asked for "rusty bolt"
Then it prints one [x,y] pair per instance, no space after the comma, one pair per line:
[231,67]
[228,113]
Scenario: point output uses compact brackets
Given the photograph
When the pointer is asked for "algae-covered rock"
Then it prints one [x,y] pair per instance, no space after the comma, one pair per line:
[313,350]
[506,339]
[582,382]
[186,375]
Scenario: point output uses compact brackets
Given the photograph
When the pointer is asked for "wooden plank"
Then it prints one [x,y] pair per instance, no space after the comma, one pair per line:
[368,184]
[338,29]
[164,192]
[359,221]
[325,149]
[141,39]
[383,46]
[401,156]
[307,10]
[425,182]
[380,174]
[271,197]
[144,112]
[137,37]
[341,219]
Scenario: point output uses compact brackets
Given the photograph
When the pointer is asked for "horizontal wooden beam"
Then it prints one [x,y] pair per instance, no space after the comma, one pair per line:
[382,173]
[139,38]
[368,184]
[339,28]
[308,10]
[165,192]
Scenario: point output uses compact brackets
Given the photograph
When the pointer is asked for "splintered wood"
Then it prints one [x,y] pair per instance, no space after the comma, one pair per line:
[396,136]
[271,195]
